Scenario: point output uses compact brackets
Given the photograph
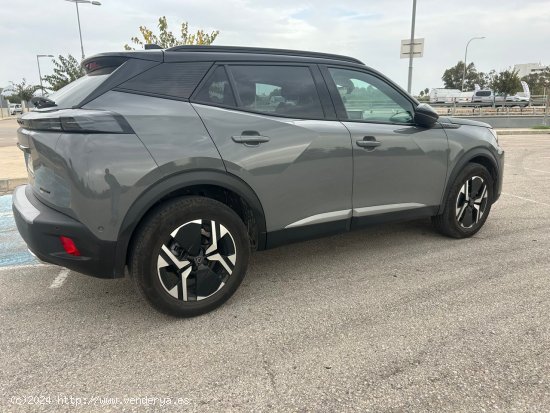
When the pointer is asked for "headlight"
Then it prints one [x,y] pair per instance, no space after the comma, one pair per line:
[494,133]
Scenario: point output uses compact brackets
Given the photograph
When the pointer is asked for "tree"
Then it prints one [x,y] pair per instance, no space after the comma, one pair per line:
[506,83]
[452,77]
[66,70]
[23,91]
[536,81]
[166,38]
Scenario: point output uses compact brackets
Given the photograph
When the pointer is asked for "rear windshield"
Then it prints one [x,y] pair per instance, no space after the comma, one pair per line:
[75,92]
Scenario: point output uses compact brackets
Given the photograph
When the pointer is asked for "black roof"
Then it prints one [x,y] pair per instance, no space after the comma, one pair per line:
[262,50]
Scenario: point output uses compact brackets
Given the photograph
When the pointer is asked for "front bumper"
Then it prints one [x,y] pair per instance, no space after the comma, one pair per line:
[41,226]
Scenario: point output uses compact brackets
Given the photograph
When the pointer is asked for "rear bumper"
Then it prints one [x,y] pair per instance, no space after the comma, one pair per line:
[41,226]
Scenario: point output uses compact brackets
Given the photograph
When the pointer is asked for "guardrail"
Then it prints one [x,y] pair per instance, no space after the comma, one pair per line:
[476,110]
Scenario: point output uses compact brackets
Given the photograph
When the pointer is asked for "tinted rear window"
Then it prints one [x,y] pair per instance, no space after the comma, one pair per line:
[279,90]
[75,92]
[169,79]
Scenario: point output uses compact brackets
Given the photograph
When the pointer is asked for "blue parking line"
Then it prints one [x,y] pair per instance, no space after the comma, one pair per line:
[13,250]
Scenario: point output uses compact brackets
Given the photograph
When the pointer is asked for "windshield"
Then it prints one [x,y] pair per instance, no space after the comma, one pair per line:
[75,92]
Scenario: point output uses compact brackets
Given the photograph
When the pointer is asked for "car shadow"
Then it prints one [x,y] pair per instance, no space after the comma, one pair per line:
[268,275]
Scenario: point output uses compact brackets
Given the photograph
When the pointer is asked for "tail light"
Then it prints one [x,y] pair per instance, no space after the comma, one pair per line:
[76,121]
[69,246]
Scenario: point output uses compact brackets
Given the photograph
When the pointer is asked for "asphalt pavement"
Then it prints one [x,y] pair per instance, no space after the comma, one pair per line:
[8,128]
[394,318]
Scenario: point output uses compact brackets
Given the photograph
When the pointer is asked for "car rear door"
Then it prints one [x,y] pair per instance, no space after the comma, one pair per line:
[399,168]
[276,129]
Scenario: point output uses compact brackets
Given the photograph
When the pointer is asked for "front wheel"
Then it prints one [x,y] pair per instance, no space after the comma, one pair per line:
[468,203]
[190,256]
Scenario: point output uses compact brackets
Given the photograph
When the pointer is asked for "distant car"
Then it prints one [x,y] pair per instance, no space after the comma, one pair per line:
[517,98]
[15,108]
[487,98]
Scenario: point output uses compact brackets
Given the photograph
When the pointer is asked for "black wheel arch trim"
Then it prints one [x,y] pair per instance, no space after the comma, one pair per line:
[465,159]
[179,181]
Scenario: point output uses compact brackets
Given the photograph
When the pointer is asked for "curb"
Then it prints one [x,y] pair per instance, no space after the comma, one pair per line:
[8,185]
[523,132]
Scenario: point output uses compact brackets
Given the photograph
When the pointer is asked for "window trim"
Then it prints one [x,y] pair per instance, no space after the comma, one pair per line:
[239,108]
[339,106]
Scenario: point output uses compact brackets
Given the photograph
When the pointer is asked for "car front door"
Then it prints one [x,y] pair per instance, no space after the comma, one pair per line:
[399,168]
[271,127]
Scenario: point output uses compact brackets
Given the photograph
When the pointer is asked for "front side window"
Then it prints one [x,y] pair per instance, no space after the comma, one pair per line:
[369,99]
[277,90]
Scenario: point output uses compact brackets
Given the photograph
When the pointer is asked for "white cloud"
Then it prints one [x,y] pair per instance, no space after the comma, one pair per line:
[516,31]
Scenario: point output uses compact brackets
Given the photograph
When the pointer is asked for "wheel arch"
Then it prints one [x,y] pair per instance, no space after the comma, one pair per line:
[208,183]
[481,156]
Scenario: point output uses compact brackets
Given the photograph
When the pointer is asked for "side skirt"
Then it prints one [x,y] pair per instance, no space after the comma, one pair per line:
[307,232]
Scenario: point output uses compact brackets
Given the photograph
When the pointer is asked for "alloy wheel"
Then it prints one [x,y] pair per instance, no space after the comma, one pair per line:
[197,260]
[471,202]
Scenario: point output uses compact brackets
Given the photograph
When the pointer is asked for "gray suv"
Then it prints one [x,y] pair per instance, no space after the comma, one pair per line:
[177,163]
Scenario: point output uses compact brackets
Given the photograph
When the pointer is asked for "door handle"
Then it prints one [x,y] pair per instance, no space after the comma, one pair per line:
[368,142]
[250,138]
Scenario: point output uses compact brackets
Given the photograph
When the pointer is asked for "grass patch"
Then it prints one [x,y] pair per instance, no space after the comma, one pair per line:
[540,127]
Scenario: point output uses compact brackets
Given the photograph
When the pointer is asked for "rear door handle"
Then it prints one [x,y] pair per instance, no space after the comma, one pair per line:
[250,138]
[369,142]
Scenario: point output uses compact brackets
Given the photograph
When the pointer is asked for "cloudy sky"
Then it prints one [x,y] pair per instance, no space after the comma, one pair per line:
[517,31]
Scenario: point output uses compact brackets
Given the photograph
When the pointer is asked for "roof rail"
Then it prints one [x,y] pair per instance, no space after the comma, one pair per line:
[261,50]
[151,46]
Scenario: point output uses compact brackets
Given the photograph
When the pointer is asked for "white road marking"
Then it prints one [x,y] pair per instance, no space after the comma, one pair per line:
[537,170]
[526,199]
[60,279]
[19,267]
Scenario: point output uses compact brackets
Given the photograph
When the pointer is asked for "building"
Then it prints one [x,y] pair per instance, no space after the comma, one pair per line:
[525,69]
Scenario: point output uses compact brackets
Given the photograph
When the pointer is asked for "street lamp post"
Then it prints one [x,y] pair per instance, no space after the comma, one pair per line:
[466,56]
[411,48]
[546,102]
[76,2]
[38,56]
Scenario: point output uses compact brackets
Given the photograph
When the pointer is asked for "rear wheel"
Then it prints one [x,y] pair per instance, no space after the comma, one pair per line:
[468,203]
[190,256]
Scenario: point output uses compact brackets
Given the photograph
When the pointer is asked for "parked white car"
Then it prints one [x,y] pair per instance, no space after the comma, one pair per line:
[15,108]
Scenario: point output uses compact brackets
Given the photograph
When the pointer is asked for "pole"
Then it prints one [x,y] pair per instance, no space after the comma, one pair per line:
[546,101]
[79,30]
[40,74]
[411,48]
[466,57]
[464,73]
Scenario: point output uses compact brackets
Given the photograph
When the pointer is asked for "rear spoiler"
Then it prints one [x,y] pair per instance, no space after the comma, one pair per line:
[115,59]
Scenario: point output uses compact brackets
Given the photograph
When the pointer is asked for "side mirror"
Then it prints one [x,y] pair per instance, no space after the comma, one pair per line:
[425,116]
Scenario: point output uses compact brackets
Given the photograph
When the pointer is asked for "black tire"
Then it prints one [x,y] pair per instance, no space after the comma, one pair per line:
[449,222]
[155,245]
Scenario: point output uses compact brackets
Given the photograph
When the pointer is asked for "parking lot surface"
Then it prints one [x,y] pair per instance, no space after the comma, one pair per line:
[393,318]
[8,136]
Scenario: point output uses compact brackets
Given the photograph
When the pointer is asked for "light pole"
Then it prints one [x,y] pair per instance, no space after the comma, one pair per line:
[38,56]
[411,48]
[95,3]
[465,57]
[546,102]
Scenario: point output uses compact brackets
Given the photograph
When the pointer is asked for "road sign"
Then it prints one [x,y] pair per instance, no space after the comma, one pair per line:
[418,48]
